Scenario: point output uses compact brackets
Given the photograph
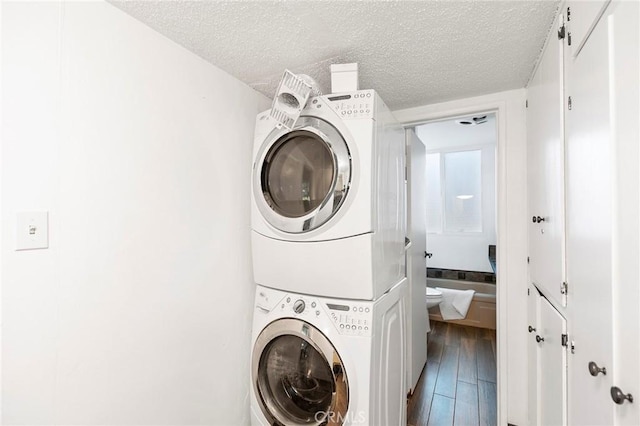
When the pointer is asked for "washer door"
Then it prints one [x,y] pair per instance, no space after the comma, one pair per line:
[302,176]
[298,376]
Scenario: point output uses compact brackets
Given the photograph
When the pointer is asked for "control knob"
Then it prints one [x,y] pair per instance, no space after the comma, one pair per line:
[298,306]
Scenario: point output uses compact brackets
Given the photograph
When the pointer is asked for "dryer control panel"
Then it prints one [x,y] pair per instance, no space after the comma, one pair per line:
[353,105]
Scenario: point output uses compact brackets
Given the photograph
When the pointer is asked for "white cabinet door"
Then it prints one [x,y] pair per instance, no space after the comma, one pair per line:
[533,303]
[552,366]
[589,228]
[547,363]
[545,156]
[625,57]
[583,16]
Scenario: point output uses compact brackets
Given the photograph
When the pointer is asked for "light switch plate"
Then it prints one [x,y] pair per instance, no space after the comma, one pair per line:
[32,230]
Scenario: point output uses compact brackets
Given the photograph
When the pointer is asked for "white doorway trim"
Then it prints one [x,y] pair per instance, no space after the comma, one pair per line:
[511,196]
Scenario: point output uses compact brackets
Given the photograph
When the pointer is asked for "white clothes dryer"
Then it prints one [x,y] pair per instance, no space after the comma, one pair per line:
[323,361]
[328,205]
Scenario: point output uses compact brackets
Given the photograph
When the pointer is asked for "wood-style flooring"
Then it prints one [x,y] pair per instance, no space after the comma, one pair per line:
[458,384]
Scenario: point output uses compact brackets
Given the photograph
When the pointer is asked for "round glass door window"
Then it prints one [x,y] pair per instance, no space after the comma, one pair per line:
[298,174]
[297,383]
[303,177]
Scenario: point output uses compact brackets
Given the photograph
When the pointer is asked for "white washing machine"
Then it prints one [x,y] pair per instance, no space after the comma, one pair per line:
[328,205]
[322,361]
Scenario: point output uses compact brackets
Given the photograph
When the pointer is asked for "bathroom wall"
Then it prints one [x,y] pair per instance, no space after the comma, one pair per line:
[465,251]
[140,310]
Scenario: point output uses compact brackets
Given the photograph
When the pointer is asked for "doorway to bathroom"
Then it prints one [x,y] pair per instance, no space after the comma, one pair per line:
[459,383]
[512,219]
[461,215]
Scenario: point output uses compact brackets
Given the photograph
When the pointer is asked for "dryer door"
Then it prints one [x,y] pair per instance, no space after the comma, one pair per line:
[298,376]
[302,176]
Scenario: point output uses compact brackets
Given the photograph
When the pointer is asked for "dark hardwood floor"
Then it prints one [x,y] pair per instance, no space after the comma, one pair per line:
[458,384]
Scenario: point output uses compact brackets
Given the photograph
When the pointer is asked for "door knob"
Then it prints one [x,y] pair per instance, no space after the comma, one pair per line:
[539,219]
[531,329]
[619,397]
[539,339]
[594,370]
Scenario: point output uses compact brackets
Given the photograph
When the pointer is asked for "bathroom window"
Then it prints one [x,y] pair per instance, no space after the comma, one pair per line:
[454,187]
[434,194]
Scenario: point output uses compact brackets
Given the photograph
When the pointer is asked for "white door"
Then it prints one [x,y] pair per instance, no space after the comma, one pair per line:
[533,313]
[552,366]
[545,156]
[416,265]
[589,228]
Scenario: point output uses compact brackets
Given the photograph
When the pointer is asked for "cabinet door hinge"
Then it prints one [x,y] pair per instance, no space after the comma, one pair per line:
[569,103]
[528,260]
[564,288]
[565,340]
[528,292]
[561,32]
[526,103]
[568,20]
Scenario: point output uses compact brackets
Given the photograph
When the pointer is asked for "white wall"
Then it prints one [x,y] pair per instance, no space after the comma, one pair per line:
[140,310]
[512,236]
[465,251]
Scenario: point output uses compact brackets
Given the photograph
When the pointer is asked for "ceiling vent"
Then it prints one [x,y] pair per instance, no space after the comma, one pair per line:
[472,121]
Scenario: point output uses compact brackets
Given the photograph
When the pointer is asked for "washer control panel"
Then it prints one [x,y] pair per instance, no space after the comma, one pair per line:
[353,105]
[352,319]
[349,318]
[300,305]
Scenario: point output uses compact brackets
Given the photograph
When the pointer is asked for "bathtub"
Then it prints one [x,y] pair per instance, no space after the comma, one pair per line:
[482,312]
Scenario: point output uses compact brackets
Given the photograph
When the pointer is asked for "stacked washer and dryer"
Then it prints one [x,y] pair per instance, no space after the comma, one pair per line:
[328,241]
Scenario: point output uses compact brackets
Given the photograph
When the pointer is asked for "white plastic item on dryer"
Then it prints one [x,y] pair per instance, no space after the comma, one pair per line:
[340,359]
[328,199]
[344,78]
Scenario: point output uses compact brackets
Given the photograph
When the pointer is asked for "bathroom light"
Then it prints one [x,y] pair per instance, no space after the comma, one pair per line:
[464,197]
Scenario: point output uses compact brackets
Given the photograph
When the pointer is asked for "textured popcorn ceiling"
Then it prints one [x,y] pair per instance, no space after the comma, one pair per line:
[413,52]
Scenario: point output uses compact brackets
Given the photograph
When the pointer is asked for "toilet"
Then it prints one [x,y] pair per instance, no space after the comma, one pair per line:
[434,297]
